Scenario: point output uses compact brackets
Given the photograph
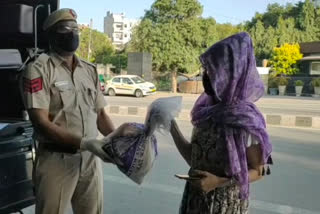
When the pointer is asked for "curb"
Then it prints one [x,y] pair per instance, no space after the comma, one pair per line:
[271,119]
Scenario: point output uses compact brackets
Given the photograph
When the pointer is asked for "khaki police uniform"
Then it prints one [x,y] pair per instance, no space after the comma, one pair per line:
[63,175]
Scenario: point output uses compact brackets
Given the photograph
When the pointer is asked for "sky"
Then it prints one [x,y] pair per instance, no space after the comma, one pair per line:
[225,11]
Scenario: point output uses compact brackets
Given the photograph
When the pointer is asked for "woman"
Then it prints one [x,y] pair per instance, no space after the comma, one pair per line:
[230,144]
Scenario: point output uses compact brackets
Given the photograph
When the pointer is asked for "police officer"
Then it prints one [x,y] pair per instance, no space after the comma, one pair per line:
[65,104]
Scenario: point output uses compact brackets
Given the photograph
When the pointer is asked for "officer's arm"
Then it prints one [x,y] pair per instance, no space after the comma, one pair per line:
[104,122]
[40,120]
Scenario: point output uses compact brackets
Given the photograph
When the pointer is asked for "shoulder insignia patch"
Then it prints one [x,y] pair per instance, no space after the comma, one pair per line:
[32,86]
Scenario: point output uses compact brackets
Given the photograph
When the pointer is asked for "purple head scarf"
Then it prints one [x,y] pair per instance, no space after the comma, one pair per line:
[231,67]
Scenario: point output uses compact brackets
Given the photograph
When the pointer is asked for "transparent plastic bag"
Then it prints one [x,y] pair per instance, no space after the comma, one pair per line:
[134,156]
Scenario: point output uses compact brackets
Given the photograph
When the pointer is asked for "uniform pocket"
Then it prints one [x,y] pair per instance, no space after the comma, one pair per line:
[68,97]
[90,96]
[88,106]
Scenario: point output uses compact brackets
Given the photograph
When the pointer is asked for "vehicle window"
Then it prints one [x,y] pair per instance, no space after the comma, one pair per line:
[116,80]
[138,80]
[127,81]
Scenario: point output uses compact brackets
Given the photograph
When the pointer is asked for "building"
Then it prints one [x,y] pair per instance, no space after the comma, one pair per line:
[140,64]
[119,28]
[309,68]
[311,58]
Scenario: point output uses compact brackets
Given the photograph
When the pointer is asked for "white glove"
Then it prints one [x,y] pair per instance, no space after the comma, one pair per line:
[95,146]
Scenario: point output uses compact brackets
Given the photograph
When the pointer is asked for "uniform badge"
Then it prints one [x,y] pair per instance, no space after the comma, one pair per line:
[73,13]
[33,86]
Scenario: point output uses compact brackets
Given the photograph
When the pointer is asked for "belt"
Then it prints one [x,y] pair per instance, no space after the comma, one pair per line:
[52,147]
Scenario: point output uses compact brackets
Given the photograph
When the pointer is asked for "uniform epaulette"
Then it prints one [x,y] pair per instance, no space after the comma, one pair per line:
[41,60]
[88,63]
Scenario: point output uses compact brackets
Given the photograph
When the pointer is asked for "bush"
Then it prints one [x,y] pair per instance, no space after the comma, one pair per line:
[284,59]
[316,82]
[163,85]
[272,83]
[282,81]
[299,83]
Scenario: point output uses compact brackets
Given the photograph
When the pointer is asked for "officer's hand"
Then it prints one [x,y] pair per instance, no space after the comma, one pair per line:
[95,146]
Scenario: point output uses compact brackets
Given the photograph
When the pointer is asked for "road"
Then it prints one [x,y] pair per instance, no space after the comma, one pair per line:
[268,105]
[292,188]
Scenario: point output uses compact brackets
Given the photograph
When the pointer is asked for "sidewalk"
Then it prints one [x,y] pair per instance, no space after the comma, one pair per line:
[278,111]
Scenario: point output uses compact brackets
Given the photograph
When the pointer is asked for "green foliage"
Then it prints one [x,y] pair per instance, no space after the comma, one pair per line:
[282,81]
[315,82]
[99,43]
[284,59]
[225,30]
[272,83]
[173,32]
[280,24]
[176,34]
[102,50]
[163,84]
[264,41]
[299,83]
[118,59]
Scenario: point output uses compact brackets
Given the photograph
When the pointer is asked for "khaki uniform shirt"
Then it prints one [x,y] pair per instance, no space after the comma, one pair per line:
[72,98]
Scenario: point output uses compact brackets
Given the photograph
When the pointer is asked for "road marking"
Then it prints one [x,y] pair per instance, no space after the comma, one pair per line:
[256,204]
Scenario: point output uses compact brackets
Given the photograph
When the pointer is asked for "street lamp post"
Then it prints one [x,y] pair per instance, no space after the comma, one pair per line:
[119,63]
[89,45]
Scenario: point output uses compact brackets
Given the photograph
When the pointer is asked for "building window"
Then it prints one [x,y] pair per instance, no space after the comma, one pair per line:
[118,36]
[119,26]
[125,35]
[315,68]
[125,26]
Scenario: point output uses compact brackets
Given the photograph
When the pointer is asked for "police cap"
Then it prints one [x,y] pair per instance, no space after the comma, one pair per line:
[64,14]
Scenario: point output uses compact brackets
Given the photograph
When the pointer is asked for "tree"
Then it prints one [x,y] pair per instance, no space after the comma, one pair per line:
[209,33]
[280,24]
[102,50]
[286,31]
[100,43]
[284,59]
[264,41]
[119,59]
[307,23]
[172,32]
[226,30]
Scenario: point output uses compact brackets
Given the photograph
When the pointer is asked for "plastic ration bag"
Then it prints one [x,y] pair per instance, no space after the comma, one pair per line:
[134,156]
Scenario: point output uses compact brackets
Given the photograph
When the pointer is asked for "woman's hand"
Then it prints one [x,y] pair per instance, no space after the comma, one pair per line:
[207,181]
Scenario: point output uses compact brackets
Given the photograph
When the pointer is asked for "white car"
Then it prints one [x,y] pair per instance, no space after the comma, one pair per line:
[130,85]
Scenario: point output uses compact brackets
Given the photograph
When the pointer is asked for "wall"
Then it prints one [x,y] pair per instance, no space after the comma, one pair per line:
[140,64]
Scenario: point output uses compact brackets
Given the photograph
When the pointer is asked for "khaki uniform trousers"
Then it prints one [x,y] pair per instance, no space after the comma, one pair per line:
[61,178]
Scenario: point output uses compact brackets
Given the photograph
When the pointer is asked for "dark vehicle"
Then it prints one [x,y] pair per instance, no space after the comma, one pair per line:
[21,41]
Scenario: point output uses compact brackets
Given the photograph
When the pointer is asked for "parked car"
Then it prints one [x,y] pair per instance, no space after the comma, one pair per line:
[129,85]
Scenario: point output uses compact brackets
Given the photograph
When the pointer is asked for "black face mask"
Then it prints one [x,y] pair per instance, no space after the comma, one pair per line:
[68,42]
[208,88]
[207,84]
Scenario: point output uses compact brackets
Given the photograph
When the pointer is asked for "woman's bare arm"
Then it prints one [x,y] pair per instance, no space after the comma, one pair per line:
[184,147]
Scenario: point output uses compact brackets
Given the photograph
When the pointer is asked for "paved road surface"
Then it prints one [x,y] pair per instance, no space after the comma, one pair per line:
[292,188]
[268,104]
